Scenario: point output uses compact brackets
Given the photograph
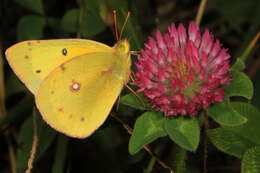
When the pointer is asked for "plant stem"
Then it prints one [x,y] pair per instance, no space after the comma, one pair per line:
[81,12]
[250,47]
[34,144]
[3,114]
[146,147]
[200,11]
[206,127]
[180,166]
[150,165]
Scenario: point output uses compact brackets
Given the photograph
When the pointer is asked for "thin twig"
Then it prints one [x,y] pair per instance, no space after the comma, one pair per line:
[254,67]
[11,150]
[245,54]
[253,42]
[118,102]
[2,87]
[146,147]
[3,113]
[34,144]
[200,11]
[206,127]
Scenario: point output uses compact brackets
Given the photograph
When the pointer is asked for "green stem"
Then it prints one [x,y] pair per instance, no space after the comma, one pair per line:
[180,164]
[150,165]
[81,12]
[153,159]
[60,156]
[206,127]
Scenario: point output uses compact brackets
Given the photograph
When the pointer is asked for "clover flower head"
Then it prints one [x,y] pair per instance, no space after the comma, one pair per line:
[181,73]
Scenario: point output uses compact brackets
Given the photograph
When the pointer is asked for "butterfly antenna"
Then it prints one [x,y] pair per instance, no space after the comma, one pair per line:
[114,12]
[135,94]
[126,19]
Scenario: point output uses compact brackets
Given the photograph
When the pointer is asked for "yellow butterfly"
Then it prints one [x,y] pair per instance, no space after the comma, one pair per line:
[75,81]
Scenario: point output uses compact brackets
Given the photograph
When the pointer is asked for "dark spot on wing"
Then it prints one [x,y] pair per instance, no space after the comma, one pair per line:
[82,119]
[29,43]
[38,71]
[70,116]
[75,86]
[60,109]
[64,52]
[62,67]
[52,92]
[26,57]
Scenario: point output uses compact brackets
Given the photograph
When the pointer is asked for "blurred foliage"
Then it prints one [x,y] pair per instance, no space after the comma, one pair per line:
[234,22]
[241,141]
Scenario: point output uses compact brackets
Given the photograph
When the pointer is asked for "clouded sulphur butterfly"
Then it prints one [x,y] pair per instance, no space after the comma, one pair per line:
[75,81]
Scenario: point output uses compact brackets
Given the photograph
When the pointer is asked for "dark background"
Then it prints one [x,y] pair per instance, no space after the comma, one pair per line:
[234,22]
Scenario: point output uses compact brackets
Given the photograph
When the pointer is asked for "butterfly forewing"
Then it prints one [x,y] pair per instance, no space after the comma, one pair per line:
[33,60]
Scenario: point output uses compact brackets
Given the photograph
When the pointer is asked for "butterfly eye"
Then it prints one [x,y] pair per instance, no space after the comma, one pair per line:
[64,51]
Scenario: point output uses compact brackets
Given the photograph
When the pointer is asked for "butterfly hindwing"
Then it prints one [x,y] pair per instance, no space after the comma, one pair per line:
[77,96]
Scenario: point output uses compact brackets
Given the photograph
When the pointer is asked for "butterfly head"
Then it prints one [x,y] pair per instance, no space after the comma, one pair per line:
[122,47]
